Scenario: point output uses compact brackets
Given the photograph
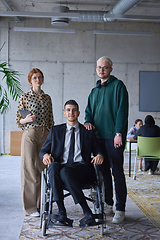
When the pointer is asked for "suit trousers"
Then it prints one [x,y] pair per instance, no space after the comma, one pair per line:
[71,177]
[151,164]
[31,168]
[113,159]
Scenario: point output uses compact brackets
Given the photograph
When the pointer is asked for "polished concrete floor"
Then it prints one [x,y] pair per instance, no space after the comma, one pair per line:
[11,213]
[11,219]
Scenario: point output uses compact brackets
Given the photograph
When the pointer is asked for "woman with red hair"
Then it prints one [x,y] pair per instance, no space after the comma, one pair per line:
[35,125]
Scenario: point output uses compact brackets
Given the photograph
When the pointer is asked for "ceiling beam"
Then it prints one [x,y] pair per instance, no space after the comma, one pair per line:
[38,14]
[75,15]
[9,9]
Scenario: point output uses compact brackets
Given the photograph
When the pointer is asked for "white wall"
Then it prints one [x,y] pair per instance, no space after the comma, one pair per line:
[68,62]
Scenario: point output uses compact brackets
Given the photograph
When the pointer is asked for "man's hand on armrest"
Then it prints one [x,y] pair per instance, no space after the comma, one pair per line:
[89,126]
[47,159]
[97,159]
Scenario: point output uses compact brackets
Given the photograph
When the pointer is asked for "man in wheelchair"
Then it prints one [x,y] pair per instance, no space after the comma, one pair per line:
[67,150]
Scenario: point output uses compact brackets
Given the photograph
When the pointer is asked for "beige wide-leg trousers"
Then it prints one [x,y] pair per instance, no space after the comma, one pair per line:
[31,168]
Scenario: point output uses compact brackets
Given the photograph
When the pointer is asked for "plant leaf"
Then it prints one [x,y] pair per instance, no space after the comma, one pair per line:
[2,46]
[4,102]
[12,80]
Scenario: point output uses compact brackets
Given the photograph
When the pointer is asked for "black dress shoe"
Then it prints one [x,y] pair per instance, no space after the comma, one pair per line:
[61,217]
[88,220]
[62,220]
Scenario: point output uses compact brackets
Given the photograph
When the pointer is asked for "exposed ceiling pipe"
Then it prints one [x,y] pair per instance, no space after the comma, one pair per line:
[88,16]
[121,7]
[84,16]
[61,17]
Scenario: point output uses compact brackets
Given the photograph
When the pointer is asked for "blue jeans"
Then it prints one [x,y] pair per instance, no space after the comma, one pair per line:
[113,159]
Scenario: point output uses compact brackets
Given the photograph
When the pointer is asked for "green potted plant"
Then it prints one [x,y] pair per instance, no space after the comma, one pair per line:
[12,86]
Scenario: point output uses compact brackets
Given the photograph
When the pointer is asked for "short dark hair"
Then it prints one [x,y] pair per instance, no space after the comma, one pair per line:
[138,120]
[149,120]
[71,102]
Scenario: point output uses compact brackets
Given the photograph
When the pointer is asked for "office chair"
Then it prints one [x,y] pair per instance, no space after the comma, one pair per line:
[147,147]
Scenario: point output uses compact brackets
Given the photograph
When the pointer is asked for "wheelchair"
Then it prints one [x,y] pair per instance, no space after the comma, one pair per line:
[96,196]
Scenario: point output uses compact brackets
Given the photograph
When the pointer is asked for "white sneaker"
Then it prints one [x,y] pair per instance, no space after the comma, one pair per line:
[108,208]
[118,217]
[35,214]
[150,172]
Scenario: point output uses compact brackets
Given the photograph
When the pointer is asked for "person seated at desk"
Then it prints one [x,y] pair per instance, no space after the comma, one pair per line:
[69,164]
[149,129]
[131,133]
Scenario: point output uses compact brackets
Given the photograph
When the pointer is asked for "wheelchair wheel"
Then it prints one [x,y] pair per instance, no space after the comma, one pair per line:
[103,192]
[43,190]
[44,227]
[101,229]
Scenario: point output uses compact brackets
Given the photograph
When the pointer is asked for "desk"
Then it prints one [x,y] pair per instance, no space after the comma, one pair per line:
[130,142]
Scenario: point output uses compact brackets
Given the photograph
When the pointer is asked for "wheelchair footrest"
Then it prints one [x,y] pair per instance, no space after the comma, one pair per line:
[92,220]
[89,224]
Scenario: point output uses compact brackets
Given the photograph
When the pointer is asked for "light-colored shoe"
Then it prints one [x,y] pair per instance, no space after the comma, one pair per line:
[118,217]
[139,170]
[108,208]
[150,172]
[35,214]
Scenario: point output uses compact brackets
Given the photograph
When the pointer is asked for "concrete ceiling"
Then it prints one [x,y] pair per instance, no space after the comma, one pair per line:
[149,8]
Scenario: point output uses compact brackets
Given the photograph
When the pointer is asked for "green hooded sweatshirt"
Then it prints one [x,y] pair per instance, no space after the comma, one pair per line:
[107,108]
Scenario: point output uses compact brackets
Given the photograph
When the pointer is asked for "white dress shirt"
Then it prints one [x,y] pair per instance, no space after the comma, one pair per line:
[77,150]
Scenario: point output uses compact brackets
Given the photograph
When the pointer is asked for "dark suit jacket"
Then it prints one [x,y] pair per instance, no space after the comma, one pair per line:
[54,143]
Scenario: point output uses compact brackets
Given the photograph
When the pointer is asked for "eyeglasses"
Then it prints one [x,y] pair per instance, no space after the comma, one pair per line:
[102,68]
